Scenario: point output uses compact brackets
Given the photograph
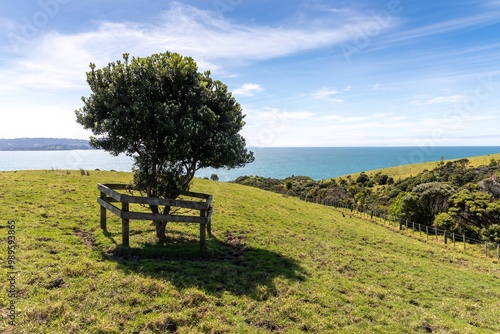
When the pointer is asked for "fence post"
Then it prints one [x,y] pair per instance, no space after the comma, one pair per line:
[406,226]
[419,230]
[498,251]
[486,248]
[125,226]
[436,232]
[413,228]
[464,242]
[453,235]
[203,230]
[427,232]
[103,212]
[445,240]
[209,222]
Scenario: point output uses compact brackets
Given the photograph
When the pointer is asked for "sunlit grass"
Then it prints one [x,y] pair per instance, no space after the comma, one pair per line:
[274,264]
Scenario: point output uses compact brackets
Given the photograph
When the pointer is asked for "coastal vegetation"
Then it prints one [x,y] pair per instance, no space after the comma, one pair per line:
[461,196]
[274,264]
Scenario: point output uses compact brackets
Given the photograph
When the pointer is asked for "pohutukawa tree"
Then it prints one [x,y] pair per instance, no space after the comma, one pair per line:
[170,118]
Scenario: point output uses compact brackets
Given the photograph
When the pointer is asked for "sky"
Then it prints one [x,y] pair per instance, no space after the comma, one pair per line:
[306,72]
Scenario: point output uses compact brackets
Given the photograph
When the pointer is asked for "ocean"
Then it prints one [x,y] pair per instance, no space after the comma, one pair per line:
[315,162]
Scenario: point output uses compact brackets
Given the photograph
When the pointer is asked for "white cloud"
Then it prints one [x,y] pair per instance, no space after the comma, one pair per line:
[453,99]
[326,94]
[248,89]
[56,60]
[377,86]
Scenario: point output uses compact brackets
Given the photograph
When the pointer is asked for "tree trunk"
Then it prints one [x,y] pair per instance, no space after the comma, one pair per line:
[161,226]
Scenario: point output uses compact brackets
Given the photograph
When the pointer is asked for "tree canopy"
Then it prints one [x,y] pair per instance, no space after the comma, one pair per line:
[170,118]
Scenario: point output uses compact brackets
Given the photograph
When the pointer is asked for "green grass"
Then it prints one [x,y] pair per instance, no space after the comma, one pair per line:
[274,264]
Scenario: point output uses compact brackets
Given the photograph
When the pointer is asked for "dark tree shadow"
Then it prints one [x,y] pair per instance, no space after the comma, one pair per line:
[226,265]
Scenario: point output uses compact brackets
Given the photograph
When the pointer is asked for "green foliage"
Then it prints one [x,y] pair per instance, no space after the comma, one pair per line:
[425,202]
[445,221]
[419,197]
[383,179]
[170,118]
[491,233]
[214,177]
[395,208]
[470,206]
[362,178]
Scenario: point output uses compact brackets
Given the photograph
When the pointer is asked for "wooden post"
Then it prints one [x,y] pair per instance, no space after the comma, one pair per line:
[445,240]
[464,242]
[486,248]
[406,226]
[436,232]
[498,251]
[125,226]
[427,232]
[453,235]
[203,231]
[103,213]
[209,224]
[413,227]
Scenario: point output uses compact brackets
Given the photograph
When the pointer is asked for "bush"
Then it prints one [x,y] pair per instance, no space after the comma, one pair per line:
[491,233]
[445,221]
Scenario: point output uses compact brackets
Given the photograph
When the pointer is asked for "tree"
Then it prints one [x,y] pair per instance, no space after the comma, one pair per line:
[383,179]
[426,201]
[362,178]
[170,118]
[474,208]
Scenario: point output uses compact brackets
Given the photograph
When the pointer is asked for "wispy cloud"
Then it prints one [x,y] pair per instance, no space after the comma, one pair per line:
[248,89]
[328,94]
[479,20]
[453,99]
[57,60]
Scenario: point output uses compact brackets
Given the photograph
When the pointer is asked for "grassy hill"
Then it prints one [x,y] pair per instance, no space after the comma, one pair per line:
[275,264]
[401,172]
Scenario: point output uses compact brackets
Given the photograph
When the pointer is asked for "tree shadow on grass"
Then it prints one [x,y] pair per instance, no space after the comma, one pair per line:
[226,265]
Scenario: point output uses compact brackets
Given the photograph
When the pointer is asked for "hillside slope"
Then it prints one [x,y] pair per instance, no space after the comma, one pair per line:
[275,264]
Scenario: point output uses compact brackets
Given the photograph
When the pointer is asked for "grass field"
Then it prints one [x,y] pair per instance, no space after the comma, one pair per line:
[274,264]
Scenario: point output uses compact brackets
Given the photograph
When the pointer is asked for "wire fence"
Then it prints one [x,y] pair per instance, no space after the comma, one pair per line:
[424,232]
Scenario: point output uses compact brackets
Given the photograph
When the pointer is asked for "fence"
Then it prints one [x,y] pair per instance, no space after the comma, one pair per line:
[109,195]
[429,232]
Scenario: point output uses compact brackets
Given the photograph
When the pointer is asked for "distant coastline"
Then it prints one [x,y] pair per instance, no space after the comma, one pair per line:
[44,144]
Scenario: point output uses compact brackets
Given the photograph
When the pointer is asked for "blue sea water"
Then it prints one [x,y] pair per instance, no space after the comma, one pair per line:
[315,162]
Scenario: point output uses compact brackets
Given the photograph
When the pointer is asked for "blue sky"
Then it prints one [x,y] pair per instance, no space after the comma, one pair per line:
[307,73]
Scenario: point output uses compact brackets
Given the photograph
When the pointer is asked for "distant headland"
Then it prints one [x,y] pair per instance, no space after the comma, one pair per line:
[44,144]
